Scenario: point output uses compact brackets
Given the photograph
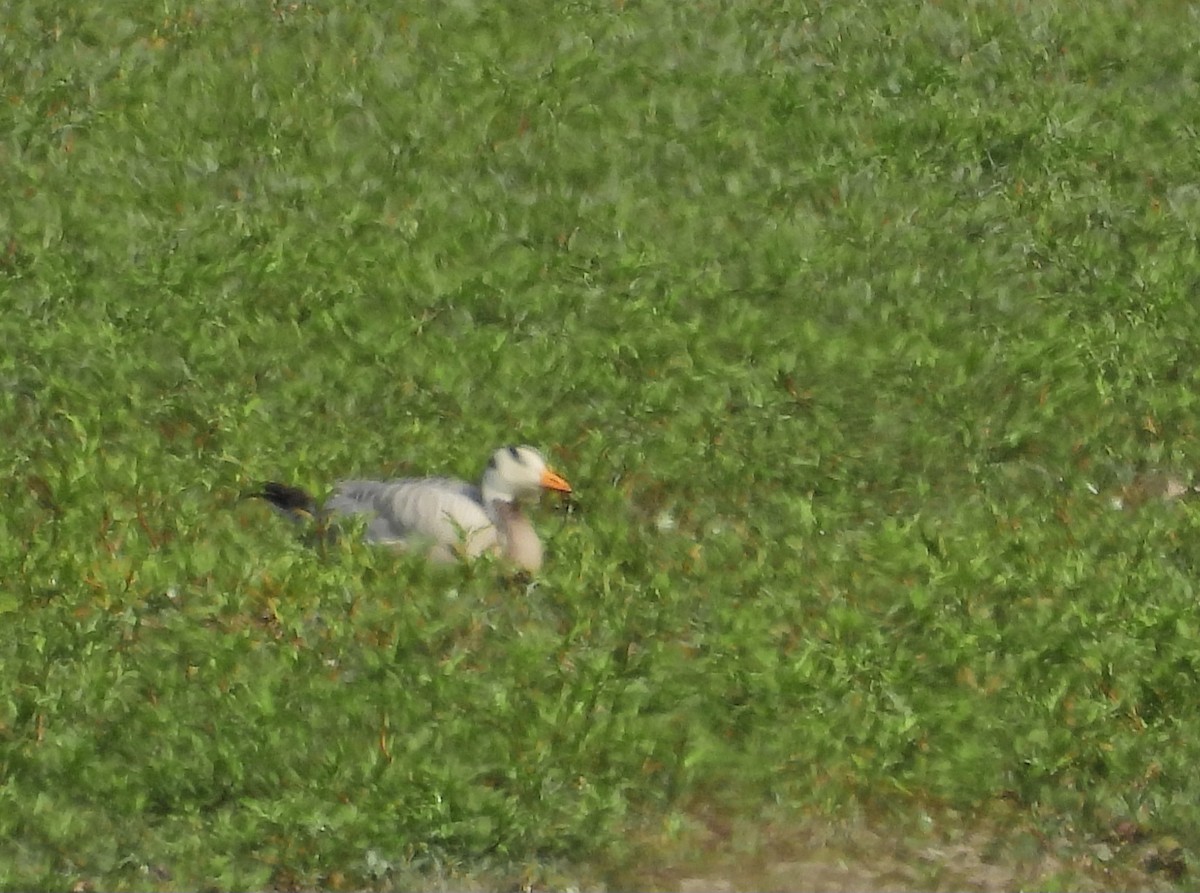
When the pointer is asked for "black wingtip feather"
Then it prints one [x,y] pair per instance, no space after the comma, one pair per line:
[287,498]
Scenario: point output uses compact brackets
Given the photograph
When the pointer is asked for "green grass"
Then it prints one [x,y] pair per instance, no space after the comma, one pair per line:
[836,315]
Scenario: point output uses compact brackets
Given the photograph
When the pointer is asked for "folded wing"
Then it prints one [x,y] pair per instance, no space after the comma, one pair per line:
[440,513]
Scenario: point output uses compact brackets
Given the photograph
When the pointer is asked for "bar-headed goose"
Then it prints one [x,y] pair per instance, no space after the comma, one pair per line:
[445,516]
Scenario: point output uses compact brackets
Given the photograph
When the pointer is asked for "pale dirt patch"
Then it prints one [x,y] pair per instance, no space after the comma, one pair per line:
[714,853]
[707,851]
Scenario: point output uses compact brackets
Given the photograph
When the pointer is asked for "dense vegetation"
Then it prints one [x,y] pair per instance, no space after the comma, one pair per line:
[846,320]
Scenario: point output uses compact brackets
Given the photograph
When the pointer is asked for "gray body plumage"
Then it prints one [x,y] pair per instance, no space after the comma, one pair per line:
[414,512]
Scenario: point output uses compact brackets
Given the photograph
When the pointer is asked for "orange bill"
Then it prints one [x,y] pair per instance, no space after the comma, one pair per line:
[553,481]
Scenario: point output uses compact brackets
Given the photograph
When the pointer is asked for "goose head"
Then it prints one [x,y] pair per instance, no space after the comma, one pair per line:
[517,474]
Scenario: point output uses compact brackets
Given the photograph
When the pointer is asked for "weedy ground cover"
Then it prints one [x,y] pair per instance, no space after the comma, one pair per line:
[847,321]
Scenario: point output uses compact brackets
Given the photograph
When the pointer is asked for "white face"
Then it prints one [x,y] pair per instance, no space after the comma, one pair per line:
[515,472]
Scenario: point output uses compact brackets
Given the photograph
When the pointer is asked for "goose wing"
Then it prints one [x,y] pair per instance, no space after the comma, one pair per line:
[441,511]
